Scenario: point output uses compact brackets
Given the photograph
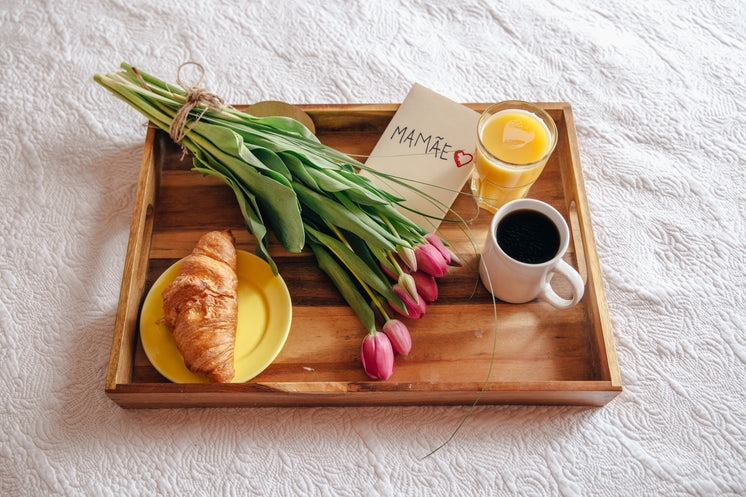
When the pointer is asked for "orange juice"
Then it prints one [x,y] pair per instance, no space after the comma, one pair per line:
[513,146]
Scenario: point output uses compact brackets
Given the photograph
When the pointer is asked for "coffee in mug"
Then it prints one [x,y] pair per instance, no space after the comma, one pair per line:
[528,236]
[523,252]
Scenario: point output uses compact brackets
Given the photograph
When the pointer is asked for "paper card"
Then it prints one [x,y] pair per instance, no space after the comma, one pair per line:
[430,141]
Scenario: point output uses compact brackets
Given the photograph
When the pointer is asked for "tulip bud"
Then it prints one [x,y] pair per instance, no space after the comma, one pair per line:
[430,261]
[377,356]
[426,286]
[399,336]
[414,310]
[407,256]
[409,285]
[436,242]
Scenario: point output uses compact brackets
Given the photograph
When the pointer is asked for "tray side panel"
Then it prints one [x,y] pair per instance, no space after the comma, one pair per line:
[604,346]
[340,395]
[135,265]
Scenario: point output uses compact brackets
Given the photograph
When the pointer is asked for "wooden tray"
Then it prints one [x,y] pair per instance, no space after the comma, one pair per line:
[542,355]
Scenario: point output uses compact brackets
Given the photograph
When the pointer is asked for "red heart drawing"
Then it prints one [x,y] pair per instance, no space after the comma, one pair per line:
[462,158]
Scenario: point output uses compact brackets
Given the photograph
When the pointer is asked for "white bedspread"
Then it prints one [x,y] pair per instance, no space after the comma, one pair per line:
[659,100]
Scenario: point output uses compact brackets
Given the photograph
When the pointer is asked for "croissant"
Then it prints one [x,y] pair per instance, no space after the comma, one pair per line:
[201,307]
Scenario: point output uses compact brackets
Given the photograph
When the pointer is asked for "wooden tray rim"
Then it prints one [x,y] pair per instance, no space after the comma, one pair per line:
[266,394]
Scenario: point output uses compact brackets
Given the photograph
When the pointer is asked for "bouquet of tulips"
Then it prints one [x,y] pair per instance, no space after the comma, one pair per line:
[307,193]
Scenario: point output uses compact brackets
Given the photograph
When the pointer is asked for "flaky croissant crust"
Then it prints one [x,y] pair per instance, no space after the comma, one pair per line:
[201,307]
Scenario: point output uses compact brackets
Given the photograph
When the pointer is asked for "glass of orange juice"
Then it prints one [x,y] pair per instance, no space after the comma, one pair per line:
[514,142]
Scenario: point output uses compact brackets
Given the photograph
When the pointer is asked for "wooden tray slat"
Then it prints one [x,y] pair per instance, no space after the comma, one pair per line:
[542,356]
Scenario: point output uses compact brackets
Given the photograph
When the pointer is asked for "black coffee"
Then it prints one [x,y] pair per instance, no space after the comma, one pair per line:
[528,236]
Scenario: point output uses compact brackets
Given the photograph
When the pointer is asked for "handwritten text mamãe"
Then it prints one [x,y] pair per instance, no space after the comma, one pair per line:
[436,146]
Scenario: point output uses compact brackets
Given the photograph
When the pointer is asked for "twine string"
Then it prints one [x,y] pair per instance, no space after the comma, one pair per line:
[196,96]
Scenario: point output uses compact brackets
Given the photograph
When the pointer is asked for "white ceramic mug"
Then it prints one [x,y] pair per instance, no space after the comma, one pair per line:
[513,281]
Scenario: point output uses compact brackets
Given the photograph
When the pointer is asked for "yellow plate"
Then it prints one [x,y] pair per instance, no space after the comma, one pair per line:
[264,315]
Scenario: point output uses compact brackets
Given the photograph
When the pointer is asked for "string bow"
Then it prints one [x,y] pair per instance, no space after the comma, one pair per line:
[196,96]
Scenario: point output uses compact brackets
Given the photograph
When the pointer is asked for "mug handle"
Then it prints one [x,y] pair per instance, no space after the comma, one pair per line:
[573,277]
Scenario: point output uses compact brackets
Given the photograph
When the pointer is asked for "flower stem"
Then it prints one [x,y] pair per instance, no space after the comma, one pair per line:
[367,289]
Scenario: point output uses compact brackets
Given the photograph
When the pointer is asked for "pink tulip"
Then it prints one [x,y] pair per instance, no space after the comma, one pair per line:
[398,335]
[430,261]
[414,310]
[450,258]
[426,286]
[377,356]
[436,242]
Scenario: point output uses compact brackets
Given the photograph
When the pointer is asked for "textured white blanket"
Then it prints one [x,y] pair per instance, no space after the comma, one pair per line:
[659,102]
